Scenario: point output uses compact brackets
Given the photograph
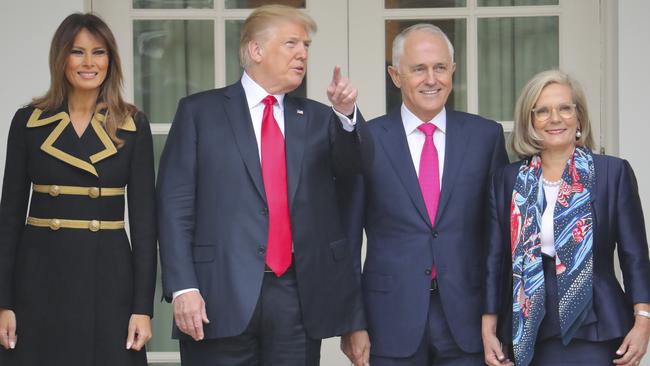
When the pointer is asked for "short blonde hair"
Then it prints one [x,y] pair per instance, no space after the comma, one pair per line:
[524,141]
[261,19]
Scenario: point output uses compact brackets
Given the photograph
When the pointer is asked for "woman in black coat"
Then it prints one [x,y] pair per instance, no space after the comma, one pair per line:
[73,289]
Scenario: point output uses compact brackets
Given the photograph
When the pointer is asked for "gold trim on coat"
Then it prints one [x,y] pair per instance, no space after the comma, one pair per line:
[92,225]
[64,119]
[92,192]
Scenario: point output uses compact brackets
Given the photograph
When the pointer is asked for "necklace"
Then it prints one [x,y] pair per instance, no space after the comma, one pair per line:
[555,183]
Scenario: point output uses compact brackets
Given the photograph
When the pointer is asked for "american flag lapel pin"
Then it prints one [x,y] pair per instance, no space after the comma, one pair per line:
[300,112]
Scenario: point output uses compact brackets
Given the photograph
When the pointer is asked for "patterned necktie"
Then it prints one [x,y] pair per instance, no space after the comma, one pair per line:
[274,173]
[429,176]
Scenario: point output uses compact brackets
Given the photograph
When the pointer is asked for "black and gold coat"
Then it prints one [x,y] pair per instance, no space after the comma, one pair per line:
[74,289]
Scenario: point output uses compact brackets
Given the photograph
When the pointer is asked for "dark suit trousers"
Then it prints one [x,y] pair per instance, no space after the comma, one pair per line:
[581,351]
[275,335]
[437,348]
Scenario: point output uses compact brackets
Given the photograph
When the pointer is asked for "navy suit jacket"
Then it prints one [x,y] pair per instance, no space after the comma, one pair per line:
[402,244]
[214,217]
[618,224]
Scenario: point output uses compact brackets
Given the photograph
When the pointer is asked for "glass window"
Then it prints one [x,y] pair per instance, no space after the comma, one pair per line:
[233,68]
[172,4]
[516,2]
[402,4]
[250,4]
[456,31]
[172,59]
[510,52]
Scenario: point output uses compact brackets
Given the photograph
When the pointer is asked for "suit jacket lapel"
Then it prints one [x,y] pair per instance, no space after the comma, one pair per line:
[238,115]
[455,148]
[394,142]
[295,131]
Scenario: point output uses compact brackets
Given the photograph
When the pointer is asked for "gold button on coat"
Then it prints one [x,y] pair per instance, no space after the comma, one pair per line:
[93,192]
[55,224]
[93,226]
[54,190]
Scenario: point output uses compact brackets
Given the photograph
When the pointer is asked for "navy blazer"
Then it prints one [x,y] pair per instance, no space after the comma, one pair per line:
[402,244]
[213,215]
[618,224]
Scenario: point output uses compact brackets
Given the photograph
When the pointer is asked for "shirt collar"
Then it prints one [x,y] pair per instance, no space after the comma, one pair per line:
[412,122]
[255,93]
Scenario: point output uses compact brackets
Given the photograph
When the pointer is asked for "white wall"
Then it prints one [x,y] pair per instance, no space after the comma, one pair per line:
[634,92]
[26,28]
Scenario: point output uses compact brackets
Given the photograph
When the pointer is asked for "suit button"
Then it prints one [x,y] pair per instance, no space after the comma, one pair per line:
[427,272]
[94,226]
[265,211]
[55,224]
[435,234]
[54,190]
[93,192]
[261,250]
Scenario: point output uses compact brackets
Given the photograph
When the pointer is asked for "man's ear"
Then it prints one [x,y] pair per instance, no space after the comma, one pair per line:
[255,51]
[394,75]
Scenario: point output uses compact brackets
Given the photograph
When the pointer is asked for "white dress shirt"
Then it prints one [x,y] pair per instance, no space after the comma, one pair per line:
[546,235]
[415,137]
[255,94]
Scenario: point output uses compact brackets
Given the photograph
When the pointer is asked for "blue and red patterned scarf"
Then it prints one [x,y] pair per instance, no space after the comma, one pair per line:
[573,232]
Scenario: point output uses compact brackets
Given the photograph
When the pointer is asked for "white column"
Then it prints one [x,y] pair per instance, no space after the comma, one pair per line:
[634,91]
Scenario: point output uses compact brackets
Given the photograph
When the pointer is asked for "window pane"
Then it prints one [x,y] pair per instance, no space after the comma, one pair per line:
[516,2]
[250,4]
[402,4]
[172,59]
[456,31]
[233,68]
[172,4]
[162,320]
[510,52]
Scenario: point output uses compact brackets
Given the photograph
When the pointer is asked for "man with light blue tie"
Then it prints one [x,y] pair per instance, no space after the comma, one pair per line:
[423,210]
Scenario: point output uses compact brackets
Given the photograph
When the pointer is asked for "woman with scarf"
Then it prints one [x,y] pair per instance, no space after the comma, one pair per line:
[74,290]
[556,217]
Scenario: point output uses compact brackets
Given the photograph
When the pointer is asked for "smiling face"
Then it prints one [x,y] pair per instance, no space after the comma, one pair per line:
[425,74]
[279,58]
[558,133]
[87,64]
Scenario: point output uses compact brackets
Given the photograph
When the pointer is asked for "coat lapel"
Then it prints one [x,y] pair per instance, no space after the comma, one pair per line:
[455,148]
[56,146]
[295,130]
[239,117]
[394,142]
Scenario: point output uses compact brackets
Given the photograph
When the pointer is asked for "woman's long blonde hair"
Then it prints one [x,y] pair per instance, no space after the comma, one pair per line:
[110,93]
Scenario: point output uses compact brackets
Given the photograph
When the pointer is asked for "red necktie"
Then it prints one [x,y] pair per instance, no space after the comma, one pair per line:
[429,176]
[274,173]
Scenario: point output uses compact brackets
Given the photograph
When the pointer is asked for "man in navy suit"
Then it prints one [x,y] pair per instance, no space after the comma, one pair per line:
[423,210]
[254,256]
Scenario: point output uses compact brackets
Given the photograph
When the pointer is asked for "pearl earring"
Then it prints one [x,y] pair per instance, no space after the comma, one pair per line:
[578,134]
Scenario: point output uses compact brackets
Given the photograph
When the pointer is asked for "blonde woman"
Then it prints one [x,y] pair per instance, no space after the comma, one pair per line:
[556,218]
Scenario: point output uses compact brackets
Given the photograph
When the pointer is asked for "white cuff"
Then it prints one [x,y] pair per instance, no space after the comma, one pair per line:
[348,124]
[180,292]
